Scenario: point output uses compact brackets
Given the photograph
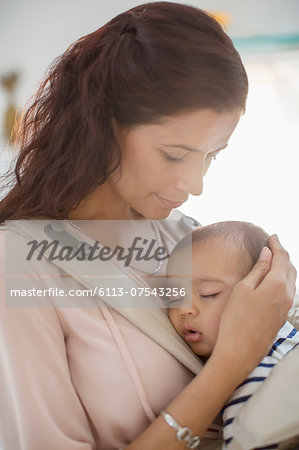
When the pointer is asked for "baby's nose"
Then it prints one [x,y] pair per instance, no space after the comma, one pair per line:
[186,310]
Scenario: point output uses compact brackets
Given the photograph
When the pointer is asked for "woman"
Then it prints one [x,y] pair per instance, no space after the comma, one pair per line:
[123,129]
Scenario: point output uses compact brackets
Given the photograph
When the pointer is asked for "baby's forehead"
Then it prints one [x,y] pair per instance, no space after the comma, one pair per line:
[220,248]
[219,244]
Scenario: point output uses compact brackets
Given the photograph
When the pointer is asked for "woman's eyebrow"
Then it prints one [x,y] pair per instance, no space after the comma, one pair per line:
[191,149]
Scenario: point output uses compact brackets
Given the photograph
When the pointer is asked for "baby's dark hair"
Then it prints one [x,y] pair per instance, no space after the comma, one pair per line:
[244,235]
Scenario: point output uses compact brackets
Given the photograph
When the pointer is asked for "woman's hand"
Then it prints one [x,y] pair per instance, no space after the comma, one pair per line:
[257,308]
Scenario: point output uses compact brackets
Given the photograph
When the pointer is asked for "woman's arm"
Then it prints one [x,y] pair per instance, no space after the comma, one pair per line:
[196,406]
[256,310]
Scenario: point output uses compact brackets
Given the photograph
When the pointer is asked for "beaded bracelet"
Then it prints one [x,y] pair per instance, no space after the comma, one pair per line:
[184,434]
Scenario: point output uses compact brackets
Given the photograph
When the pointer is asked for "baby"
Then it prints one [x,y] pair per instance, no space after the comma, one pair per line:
[222,254]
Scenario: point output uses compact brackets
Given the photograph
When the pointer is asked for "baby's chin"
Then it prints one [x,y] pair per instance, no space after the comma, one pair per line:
[201,351]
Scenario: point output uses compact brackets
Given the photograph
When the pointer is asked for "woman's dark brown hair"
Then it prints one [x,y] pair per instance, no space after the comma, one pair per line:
[155,60]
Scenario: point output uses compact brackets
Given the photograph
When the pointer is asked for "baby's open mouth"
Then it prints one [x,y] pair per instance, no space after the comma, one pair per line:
[191,334]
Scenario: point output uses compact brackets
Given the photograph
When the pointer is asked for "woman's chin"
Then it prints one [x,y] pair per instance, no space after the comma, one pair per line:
[151,214]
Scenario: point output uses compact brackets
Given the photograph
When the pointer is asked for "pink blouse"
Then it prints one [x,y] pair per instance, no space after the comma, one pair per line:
[72,377]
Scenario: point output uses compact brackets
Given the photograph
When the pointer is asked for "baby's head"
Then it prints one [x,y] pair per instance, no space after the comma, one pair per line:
[222,254]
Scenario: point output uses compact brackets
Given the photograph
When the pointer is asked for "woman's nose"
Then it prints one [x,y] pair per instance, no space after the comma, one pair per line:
[191,181]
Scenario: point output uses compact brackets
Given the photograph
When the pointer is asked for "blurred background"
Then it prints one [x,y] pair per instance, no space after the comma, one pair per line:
[256,178]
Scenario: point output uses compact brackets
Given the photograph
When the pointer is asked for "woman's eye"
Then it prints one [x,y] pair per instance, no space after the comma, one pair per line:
[171,158]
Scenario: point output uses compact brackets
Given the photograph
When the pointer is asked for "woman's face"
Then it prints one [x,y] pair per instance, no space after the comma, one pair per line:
[165,162]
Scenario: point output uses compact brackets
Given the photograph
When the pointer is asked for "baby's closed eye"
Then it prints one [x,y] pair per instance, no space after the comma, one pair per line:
[209,296]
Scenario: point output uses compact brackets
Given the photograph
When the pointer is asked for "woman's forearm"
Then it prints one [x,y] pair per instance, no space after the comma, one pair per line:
[196,406]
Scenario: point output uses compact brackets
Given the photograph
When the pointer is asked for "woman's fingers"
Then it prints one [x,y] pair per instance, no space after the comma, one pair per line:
[281,258]
[283,274]
[291,282]
[260,269]
[279,270]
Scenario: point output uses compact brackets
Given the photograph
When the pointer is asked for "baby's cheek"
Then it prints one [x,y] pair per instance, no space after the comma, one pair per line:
[170,313]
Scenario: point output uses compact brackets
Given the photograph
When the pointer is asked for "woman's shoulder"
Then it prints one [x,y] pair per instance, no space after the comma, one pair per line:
[17,250]
[33,278]
[21,279]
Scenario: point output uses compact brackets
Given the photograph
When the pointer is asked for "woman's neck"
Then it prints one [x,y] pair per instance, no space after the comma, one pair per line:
[104,204]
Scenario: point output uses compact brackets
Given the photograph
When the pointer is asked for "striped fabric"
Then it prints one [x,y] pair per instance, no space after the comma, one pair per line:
[286,340]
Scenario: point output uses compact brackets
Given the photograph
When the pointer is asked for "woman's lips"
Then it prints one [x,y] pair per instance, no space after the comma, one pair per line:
[191,334]
[168,203]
